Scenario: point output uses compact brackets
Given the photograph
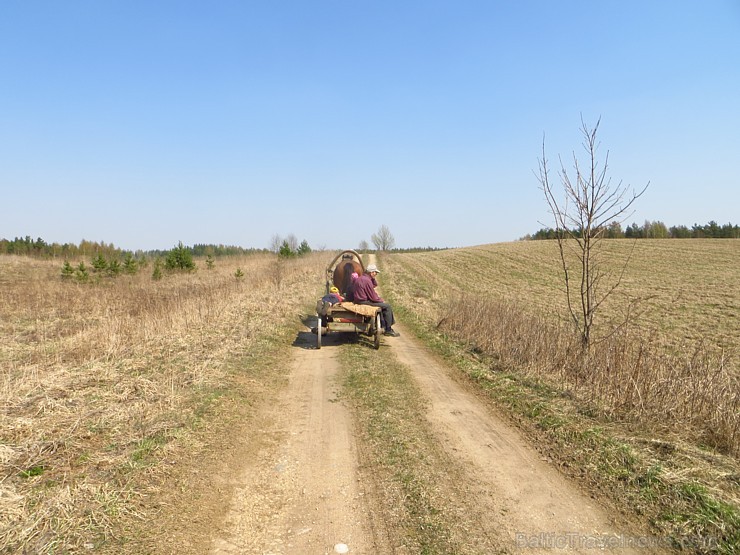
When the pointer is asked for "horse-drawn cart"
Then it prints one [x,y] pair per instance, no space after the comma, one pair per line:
[345,316]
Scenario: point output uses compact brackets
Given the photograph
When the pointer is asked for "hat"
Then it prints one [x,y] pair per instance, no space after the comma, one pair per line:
[355,275]
[372,268]
[334,290]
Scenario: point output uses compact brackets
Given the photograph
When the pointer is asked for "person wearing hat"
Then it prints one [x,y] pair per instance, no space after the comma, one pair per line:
[364,293]
[333,296]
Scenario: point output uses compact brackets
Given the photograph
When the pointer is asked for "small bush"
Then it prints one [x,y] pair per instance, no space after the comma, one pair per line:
[285,251]
[99,264]
[130,266]
[304,248]
[68,271]
[81,273]
[157,272]
[114,268]
[180,259]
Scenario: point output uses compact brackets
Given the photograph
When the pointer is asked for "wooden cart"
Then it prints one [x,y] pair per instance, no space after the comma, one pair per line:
[346,316]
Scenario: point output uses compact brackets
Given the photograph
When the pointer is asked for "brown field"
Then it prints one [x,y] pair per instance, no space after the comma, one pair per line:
[650,414]
[683,292]
[672,367]
[103,383]
[99,380]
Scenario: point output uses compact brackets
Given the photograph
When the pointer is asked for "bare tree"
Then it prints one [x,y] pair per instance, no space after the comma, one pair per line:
[292,242]
[275,243]
[590,204]
[363,246]
[383,239]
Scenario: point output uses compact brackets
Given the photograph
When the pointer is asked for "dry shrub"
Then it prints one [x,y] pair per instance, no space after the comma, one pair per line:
[625,376]
[97,379]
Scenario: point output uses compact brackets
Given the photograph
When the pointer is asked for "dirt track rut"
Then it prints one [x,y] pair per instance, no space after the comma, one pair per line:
[532,508]
[303,494]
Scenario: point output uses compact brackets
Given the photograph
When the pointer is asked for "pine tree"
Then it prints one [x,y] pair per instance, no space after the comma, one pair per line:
[130,266]
[157,273]
[114,268]
[81,273]
[67,270]
[180,258]
[99,264]
[286,251]
[304,248]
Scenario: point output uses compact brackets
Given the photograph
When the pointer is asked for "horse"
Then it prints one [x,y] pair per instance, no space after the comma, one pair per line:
[342,275]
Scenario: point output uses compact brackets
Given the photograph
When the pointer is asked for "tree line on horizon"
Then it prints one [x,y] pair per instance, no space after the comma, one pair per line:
[284,247]
[652,230]
[28,246]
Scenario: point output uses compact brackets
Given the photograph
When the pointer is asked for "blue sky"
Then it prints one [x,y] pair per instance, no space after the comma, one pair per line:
[147,123]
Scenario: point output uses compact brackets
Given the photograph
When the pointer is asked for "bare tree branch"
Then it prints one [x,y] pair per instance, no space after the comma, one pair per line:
[590,205]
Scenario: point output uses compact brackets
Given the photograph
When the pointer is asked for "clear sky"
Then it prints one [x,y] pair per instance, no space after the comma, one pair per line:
[145,123]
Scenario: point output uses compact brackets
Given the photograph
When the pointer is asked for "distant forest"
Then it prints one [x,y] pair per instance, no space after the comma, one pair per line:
[649,230]
[38,247]
[654,230]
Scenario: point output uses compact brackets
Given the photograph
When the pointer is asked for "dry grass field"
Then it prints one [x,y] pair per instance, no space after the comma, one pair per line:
[687,291]
[651,413]
[100,381]
[675,361]
[105,384]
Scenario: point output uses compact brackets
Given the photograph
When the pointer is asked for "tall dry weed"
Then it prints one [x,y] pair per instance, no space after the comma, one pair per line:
[97,379]
[626,376]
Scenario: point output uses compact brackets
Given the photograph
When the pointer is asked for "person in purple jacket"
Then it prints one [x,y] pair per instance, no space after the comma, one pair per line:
[364,293]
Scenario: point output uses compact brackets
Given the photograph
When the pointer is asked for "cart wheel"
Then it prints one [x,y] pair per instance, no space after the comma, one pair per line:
[318,333]
[376,343]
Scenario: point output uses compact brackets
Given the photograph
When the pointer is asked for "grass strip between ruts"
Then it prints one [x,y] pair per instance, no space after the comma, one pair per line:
[414,478]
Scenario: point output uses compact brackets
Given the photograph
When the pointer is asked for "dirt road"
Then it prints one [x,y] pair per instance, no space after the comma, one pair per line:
[304,493]
[532,508]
